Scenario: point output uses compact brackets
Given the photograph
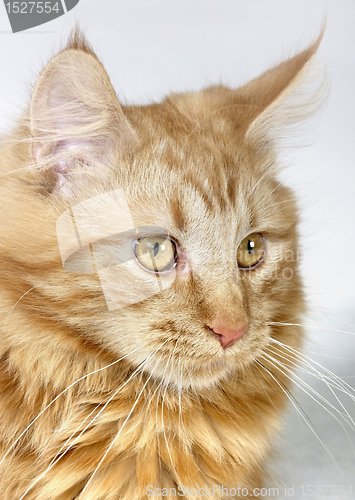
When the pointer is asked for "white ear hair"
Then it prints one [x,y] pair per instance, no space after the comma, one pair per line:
[283,96]
[76,119]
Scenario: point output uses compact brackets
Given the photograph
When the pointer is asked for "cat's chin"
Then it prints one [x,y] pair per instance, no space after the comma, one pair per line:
[196,380]
[199,376]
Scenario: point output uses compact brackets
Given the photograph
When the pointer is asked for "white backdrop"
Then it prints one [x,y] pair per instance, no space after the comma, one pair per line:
[152,47]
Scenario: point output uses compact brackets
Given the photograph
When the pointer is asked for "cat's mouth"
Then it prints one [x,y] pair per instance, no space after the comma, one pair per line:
[203,364]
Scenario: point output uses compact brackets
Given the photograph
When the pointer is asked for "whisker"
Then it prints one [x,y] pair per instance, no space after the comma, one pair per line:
[161,385]
[301,412]
[180,393]
[162,416]
[147,403]
[338,383]
[304,384]
[161,381]
[125,421]
[19,300]
[303,357]
[136,371]
[60,394]
[290,396]
[55,460]
[314,373]
[318,326]
[329,381]
[156,421]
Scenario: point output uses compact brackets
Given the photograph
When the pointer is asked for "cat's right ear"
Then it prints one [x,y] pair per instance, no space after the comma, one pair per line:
[75,117]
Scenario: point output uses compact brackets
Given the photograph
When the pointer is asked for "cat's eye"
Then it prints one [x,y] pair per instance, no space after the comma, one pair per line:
[155,253]
[251,251]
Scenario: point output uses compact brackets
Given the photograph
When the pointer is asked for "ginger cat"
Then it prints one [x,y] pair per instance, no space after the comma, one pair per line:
[133,364]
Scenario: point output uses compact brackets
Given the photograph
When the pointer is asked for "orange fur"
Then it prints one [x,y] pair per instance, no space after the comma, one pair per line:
[201,165]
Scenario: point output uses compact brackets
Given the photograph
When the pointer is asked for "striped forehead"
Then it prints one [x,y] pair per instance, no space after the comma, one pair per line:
[191,184]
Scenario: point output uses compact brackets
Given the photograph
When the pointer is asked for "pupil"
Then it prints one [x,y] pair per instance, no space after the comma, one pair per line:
[250,246]
[156,249]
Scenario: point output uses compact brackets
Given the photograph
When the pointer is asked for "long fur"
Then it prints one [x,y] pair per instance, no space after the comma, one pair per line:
[98,404]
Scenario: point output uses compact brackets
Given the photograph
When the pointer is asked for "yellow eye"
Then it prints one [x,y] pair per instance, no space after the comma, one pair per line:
[155,253]
[251,250]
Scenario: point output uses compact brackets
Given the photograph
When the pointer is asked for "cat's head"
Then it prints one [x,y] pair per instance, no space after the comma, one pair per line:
[160,232]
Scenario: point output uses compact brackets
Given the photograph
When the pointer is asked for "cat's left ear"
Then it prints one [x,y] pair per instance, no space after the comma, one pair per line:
[75,116]
[282,96]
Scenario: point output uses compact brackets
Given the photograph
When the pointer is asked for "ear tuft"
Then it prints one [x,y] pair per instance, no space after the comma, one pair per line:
[78,41]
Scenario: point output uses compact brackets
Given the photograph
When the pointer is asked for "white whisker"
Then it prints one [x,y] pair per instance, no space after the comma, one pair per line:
[310,425]
[313,372]
[13,307]
[162,415]
[125,421]
[55,460]
[347,388]
[304,385]
[318,326]
[60,394]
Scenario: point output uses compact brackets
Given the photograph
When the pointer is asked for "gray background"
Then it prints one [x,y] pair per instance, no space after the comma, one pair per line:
[150,48]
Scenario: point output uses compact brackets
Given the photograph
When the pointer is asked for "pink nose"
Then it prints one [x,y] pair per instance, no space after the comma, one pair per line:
[227,336]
